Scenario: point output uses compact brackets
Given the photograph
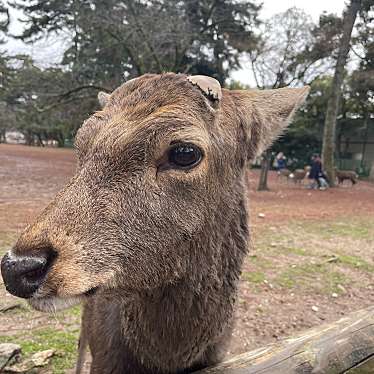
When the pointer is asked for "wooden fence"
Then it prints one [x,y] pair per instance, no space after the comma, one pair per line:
[342,347]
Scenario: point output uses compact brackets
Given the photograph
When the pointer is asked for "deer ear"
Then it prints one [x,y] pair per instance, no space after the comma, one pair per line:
[209,86]
[103,98]
[266,114]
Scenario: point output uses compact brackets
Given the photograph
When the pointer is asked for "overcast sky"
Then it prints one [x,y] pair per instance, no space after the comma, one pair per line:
[270,7]
[49,52]
[312,7]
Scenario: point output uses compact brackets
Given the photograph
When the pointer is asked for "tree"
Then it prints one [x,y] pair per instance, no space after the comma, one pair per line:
[291,51]
[110,40]
[6,115]
[362,79]
[329,135]
[137,37]
[32,102]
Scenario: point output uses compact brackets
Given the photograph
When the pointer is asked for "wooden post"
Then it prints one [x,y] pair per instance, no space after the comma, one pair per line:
[342,347]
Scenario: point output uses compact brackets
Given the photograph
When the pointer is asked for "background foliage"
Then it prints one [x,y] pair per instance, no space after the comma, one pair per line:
[110,41]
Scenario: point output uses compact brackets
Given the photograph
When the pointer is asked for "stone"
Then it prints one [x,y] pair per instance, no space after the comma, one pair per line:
[38,359]
[42,358]
[9,353]
[341,288]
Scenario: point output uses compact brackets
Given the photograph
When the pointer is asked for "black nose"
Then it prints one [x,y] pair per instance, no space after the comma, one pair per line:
[23,274]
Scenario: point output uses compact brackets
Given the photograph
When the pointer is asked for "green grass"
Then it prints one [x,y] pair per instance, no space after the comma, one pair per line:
[355,262]
[255,277]
[7,239]
[260,262]
[63,342]
[320,278]
[300,250]
[75,311]
[354,229]
[295,251]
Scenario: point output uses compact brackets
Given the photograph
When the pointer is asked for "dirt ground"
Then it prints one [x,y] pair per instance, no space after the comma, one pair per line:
[312,258]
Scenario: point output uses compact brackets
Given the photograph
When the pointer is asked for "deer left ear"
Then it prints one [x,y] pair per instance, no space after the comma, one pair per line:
[265,114]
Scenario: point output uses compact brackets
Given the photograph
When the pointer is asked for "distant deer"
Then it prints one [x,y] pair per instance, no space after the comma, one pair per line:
[343,175]
[283,174]
[152,230]
[299,175]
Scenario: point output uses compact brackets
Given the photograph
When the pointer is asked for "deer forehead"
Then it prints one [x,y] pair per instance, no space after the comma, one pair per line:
[126,123]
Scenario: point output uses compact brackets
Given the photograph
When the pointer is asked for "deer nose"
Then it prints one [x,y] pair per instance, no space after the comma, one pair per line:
[24,274]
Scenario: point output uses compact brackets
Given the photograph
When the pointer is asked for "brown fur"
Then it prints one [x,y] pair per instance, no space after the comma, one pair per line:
[163,247]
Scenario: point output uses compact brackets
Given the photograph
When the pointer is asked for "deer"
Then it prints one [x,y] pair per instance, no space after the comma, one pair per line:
[151,232]
[343,175]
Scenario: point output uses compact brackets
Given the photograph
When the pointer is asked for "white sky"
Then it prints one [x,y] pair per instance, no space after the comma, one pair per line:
[270,7]
[312,7]
[49,52]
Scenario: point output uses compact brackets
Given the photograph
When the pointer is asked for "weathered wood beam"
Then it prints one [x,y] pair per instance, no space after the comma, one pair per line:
[343,347]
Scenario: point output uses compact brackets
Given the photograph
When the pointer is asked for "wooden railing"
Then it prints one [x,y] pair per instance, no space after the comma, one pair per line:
[342,347]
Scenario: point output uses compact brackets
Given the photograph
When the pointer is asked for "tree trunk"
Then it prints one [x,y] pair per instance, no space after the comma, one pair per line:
[329,137]
[265,165]
[364,144]
[3,136]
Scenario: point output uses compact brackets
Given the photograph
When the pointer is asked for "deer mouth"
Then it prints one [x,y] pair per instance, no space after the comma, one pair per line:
[92,291]
[55,303]
[52,304]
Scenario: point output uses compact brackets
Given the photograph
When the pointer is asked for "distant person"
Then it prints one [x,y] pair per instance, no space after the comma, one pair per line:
[280,162]
[316,174]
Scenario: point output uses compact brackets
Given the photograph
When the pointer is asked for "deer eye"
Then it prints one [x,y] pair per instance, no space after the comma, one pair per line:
[184,155]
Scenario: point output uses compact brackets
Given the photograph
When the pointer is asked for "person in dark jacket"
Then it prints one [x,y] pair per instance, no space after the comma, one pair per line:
[316,173]
[316,170]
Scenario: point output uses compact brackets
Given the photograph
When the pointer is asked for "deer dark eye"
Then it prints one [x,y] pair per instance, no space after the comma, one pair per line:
[184,156]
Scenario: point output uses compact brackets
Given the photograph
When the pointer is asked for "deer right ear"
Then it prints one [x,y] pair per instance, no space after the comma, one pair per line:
[265,114]
[103,98]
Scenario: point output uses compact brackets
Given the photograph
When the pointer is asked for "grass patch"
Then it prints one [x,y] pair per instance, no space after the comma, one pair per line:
[7,239]
[75,311]
[254,276]
[63,342]
[295,251]
[355,262]
[353,229]
[320,278]
[260,262]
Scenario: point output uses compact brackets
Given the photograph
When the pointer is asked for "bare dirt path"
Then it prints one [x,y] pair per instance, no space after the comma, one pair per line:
[312,258]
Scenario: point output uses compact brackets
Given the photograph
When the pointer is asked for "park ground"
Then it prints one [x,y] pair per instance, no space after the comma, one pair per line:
[311,261]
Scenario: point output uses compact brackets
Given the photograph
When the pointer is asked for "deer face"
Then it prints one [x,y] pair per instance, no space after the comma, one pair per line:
[153,166]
